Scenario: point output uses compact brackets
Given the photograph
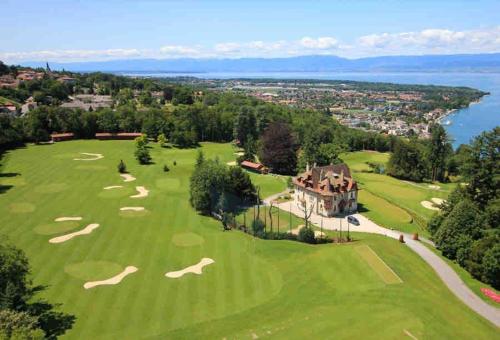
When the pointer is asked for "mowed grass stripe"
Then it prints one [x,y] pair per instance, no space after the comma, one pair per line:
[378,265]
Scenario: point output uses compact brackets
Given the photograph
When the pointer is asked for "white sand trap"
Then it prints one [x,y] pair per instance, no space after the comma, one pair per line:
[94,156]
[63,219]
[113,280]
[233,163]
[85,231]
[239,153]
[437,201]
[429,205]
[113,187]
[132,209]
[127,177]
[143,192]
[434,187]
[195,269]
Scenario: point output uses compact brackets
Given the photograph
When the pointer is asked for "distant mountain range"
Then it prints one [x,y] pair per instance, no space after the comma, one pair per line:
[425,63]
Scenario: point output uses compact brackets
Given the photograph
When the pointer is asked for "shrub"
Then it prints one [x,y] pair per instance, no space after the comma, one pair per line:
[258,227]
[165,168]
[175,163]
[401,238]
[122,168]
[306,235]
[142,155]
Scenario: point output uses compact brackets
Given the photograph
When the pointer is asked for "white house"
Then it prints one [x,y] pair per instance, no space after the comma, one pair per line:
[328,190]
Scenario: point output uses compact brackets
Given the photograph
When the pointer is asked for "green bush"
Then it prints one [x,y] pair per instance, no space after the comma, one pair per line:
[166,168]
[306,235]
[122,168]
[258,227]
[142,155]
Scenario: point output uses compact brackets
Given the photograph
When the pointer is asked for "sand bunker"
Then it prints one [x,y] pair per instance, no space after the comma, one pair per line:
[95,156]
[113,187]
[195,269]
[63,219]
[241,153]
[429,205]
[434,187]
[132,209]
[143,192]
[233,163]
[85,231]
[111,281]
[437,201]
[127,177]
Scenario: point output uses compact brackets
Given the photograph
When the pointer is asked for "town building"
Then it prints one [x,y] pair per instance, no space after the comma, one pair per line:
[327,190]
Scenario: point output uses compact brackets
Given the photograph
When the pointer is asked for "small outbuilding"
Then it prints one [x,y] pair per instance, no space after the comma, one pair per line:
[256,167]
[120,135]
[61,137]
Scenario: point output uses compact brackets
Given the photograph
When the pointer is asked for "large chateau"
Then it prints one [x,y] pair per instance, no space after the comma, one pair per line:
[328,190]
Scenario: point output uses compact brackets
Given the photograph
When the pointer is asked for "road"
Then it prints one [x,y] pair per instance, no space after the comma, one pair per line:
[442,269]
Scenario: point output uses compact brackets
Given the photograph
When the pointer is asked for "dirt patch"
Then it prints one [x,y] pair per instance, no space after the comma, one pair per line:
[127,177]
[85,231]
[63,219]
[113,187]
[434,187]
[113,280]
[132,209]
[142,192]
[437,201]
[429,205]
[92,156]
[195,269]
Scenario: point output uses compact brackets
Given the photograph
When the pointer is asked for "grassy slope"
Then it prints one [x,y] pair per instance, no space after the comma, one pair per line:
[407,195]
[254,286]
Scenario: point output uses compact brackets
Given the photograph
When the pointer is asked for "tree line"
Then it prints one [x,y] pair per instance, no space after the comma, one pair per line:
[467,230]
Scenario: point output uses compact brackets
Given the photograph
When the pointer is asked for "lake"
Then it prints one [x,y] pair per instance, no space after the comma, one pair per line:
[465,123]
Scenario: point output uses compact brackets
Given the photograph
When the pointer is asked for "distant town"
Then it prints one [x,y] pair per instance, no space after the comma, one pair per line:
[402,110]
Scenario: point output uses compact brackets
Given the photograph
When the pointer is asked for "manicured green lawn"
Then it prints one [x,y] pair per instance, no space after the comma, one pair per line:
[385,191]
[255,287]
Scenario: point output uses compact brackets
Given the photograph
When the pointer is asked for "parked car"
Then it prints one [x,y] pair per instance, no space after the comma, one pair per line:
[352,220]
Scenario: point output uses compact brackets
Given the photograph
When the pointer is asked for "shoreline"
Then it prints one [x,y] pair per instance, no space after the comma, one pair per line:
[452,111]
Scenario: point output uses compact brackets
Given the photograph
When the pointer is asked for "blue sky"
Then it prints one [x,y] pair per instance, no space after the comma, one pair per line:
[70,30]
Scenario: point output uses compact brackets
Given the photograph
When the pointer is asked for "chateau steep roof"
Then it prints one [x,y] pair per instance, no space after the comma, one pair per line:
[327,180]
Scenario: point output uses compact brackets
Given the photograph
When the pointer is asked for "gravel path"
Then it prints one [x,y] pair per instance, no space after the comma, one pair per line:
[443,270]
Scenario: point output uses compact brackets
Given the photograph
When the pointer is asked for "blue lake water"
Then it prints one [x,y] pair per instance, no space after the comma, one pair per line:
[465,123]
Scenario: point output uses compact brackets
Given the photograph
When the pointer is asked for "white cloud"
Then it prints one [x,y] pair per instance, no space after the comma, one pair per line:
[428,41]
[321,43]
[432,41]
[179,51]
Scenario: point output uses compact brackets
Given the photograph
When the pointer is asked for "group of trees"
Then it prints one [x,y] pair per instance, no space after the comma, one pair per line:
[217,188]
[431,159]
[468,228]
[22,314]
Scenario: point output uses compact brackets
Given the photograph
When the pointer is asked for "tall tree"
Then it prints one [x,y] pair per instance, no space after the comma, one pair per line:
[439,149]
[278,149]
[481,168]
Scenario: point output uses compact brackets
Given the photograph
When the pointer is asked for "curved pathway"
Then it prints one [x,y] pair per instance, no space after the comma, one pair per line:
[443,270]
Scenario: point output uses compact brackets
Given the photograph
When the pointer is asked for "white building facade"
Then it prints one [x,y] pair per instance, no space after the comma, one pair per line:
[328,190]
